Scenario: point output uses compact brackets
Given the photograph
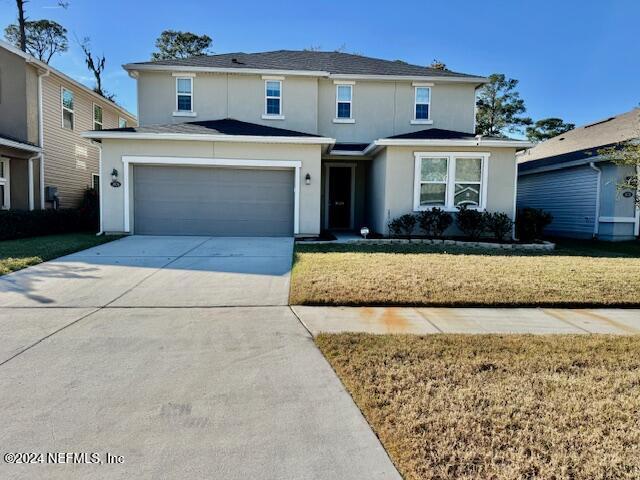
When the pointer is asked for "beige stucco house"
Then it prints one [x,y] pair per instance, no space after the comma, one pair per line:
[294,142]
[44,160]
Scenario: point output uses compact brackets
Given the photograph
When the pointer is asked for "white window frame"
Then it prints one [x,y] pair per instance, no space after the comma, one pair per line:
[5,181]
[272,116]
[95,122]
[120,120]
[349,119]
[451,181]
[184,113]
[93,180]
[71,110]
[421,121]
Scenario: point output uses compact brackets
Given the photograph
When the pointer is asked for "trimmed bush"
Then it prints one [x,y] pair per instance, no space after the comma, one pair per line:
[402,226]
[471,222]
[531,222]
[434,222]
[499,224]
[36,223]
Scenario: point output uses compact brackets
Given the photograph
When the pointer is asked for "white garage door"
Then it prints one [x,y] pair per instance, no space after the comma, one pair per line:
[213,201]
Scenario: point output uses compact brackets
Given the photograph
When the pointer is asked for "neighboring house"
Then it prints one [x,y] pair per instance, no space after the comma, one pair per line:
[294,142]
[567,177]
[42,114]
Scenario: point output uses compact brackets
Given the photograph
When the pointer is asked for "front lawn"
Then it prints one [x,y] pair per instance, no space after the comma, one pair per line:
[575,274]
[24,252]
[497,407]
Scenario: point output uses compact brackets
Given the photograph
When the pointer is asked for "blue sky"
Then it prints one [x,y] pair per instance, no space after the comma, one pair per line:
[578,60]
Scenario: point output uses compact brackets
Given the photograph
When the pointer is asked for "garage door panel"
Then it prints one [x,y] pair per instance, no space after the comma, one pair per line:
[213,201]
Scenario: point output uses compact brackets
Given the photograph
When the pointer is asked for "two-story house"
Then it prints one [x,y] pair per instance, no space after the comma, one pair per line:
[44,160]
[293,142]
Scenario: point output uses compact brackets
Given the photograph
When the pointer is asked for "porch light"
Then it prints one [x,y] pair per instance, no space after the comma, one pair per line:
[307,179]
[364,231]
[114,178]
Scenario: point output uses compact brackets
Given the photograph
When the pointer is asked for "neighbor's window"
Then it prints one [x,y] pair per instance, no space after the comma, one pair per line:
[423,99]
[67,108]
[273,97]
[95,182]
[122,122]
[450,180]
[4,184]
[184,94]
[344,97]
[97,117]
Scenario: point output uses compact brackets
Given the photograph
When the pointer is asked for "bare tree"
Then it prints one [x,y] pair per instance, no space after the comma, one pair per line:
[96,65]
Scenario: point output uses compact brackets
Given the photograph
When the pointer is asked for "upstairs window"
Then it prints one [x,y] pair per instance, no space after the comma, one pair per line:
[273,97]
[97,117]
[67,108]
[344,100]
[422,101]
[122,122]
[184,94]
[450,180]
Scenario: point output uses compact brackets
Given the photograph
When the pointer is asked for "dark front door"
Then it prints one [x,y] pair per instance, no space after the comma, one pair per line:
[339,197]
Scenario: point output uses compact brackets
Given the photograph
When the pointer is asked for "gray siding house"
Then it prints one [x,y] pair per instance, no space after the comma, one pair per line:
[294,142]
[567,177]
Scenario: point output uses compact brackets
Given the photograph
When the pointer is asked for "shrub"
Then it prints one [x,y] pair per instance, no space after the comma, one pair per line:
[434,222]
[471,222]
[89,210]
[499,224]
[531,222]
[402,225]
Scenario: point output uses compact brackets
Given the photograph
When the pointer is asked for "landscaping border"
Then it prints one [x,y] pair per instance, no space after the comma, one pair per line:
[545,245]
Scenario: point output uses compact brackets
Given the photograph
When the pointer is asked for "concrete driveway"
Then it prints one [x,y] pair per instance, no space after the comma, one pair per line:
[179,355]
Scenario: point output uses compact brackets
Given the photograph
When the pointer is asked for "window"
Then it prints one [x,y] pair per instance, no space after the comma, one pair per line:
[344,98]
[5,198]
[122,122]
[184,94]
[95,183]
[97,117]
[450,180]
[273,97]
[422,101]
[67,108]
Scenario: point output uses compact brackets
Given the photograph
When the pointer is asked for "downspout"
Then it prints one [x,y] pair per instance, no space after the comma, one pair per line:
[100,188]
[41,134]
[30,178]
[596,223]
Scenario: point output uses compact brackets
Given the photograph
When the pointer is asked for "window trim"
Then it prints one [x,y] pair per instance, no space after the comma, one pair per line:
[63,108]
[350,118]
[184,113]
[273,116]
[449,205]
[6,182]
[94,116]
[93,180]
[421,121]
[120,120]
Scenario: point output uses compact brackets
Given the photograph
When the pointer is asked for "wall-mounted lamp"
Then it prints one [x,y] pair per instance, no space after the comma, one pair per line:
[364,231]
[307,179]
[114,178]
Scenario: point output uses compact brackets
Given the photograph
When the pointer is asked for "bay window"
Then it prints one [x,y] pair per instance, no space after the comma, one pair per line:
[450,180]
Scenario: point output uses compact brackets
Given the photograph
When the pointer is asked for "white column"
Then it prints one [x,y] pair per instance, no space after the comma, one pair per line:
[30,180]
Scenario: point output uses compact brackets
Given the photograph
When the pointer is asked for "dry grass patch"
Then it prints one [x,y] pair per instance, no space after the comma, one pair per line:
[498,407]
[426,275]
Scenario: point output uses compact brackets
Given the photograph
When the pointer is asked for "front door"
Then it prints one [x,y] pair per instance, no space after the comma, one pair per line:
[340,197]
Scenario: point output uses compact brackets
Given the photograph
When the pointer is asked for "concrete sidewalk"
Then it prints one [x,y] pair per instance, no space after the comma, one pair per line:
[468,320]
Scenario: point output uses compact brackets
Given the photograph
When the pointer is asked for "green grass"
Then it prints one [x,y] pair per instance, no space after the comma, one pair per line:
[25,252]
[497,407]
[577,273]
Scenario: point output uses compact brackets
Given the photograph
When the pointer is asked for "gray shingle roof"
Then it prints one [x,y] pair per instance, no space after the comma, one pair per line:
[332,62]
[227,126]
[608,131]
[441,134]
